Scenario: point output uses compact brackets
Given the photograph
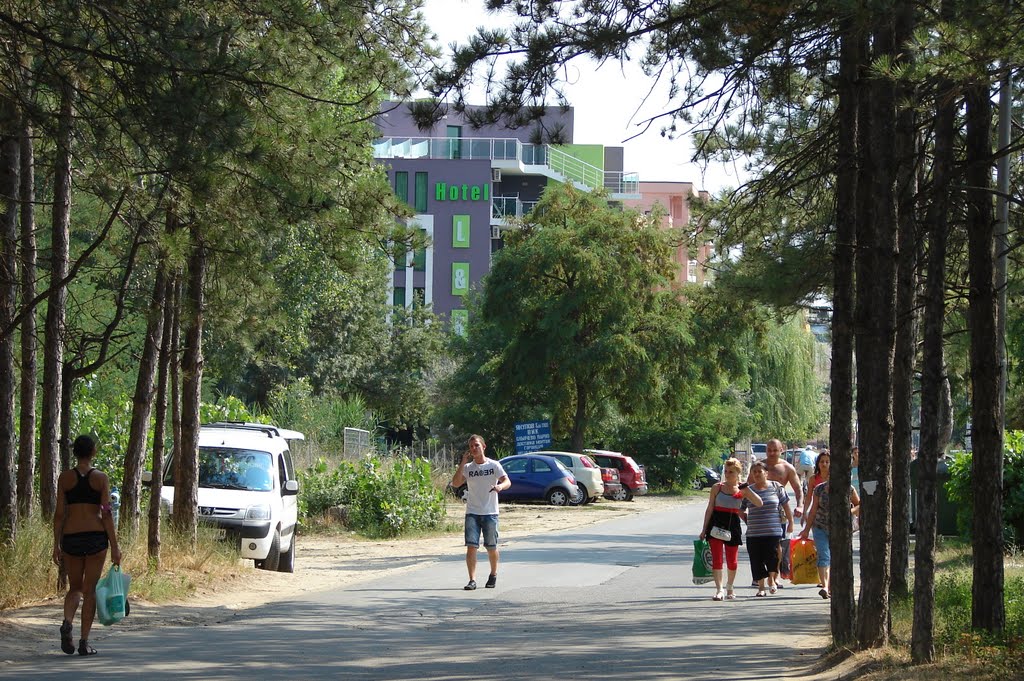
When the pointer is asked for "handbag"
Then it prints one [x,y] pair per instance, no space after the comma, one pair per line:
[720,533]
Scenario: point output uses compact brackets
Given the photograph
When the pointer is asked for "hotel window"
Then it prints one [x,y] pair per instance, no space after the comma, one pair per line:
[402,185]
[398,299]
[691,271]
[419,256]
[454,135]
[420,196]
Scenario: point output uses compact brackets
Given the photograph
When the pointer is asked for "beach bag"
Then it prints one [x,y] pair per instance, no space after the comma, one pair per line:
[701,562]
[784,562]
[112,596]
[803,562]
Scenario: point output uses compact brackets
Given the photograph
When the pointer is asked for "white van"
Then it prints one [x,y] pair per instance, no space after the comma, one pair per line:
[248,489]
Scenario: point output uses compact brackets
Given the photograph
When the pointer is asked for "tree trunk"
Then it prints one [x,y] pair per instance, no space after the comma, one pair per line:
[186,496]
[160,422]
[987,610]
[10,186]
[579,423]
[933,380]
[53,347]
[841,415]
[176,380]
[27,425]
[875,341]
[131,486]
[906,318]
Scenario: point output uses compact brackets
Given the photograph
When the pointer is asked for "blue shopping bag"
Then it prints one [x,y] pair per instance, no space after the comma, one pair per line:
[112,596]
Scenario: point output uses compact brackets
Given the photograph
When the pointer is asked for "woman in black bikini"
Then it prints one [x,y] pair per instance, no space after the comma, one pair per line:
[83,528]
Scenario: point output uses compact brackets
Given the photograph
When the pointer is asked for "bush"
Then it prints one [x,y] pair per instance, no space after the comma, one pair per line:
[392,499]
[959,489]
[670,456]
[385,497]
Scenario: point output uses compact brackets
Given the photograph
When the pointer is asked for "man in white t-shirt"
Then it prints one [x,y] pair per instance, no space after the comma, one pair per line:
[484,478]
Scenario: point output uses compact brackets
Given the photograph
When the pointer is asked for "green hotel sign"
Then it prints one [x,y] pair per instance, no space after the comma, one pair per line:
[462,192]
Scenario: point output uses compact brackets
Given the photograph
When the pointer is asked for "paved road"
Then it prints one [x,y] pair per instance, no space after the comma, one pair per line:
[608,601]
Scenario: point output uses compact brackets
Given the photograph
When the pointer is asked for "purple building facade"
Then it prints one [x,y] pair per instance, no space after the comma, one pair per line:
[465,182]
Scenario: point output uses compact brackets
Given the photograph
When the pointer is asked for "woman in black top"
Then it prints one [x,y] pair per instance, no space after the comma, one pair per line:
[83,528]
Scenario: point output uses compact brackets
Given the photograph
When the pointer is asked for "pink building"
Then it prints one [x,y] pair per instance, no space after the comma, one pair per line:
[674,199]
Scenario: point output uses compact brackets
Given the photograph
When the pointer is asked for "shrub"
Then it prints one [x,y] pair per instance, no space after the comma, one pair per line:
[385,497]
[960,492]
[395,497]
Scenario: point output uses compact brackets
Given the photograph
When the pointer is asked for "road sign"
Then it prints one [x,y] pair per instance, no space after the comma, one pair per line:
[532,436]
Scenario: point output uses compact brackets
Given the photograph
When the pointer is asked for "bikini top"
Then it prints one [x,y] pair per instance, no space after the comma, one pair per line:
[82,492]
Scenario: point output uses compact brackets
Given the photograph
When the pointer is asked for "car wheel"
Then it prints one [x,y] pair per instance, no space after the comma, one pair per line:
[559,497]
[273,558]
[624,494]
[697,484]
[287,561]
[582,496]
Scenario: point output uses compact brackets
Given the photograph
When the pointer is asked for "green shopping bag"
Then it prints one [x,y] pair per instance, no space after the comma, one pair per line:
[702,562]
[112,596]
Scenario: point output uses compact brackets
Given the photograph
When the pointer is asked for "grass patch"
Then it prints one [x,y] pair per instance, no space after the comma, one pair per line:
[961,653]
[27,574]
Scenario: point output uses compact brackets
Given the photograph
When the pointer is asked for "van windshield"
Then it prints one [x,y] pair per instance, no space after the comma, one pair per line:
[227,468]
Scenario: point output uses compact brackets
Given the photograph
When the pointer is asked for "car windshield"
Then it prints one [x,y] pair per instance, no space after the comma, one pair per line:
[226,468]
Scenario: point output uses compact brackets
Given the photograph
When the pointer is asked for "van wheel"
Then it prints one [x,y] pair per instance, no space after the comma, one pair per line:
[273,558]
[287,562]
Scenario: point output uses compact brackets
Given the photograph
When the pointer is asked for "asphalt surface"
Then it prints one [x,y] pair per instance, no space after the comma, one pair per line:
[612,600]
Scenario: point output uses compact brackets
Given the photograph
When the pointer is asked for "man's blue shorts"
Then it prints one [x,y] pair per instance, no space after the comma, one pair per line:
[486,524]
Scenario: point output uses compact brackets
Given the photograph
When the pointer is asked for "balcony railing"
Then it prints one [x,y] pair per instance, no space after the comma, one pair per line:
[561,165]
[505,207]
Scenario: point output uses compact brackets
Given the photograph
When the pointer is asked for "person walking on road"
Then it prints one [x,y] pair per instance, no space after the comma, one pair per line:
[83,530]
[817,519]
[780,471]
[722,527]
[484,478]
[763,530]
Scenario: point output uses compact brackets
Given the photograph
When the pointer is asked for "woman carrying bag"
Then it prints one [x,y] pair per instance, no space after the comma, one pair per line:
[722,527]
[83,530]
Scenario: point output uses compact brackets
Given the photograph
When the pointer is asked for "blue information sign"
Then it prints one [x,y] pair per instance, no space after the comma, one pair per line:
[532,436]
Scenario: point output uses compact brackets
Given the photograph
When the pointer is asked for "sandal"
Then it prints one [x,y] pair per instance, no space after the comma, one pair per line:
[824,594]
[761,593]
[772,589]
[67,644]
[718,596]
[729,595]
[84,648]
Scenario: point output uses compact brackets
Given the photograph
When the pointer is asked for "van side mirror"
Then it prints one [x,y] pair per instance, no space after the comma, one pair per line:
[147,478]
[291,488]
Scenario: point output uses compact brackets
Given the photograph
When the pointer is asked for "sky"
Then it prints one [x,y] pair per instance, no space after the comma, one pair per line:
[609,105]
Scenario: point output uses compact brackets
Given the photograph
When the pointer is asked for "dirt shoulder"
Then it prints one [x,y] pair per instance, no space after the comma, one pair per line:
[322,562]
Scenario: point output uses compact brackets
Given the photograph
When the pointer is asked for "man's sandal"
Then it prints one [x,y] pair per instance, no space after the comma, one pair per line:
[84,648]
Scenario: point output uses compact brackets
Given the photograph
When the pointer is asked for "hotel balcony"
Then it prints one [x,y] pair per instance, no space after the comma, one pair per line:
[514,157]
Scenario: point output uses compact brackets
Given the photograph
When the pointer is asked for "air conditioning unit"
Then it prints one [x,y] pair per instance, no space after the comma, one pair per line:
[495,231]
[495,174]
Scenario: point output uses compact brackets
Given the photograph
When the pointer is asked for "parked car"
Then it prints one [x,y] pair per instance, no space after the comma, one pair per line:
[631,475]
[612,484]
[586,472]
[536,476]
[247,489]
[705,477]
[758,451]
